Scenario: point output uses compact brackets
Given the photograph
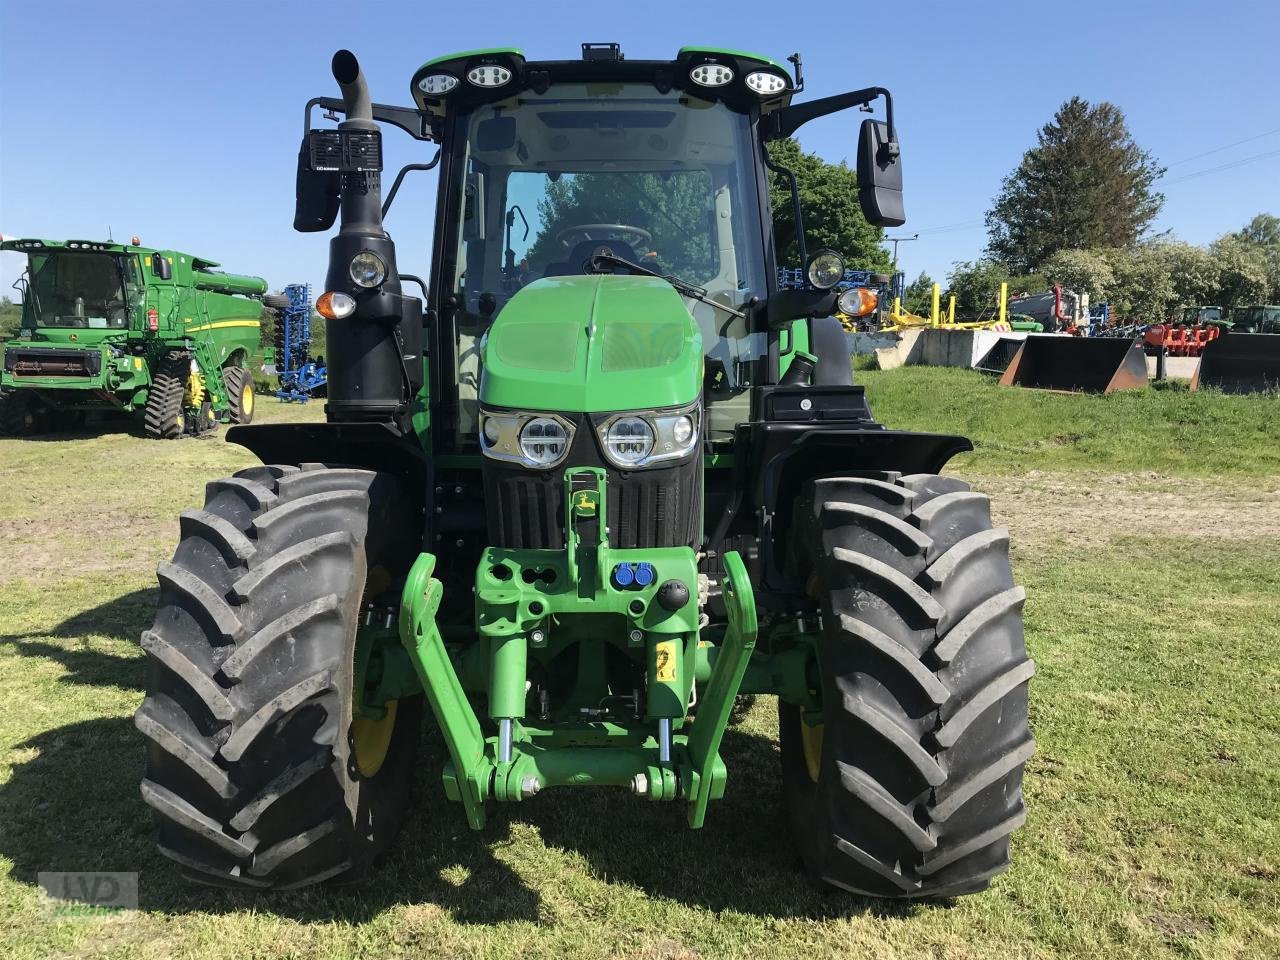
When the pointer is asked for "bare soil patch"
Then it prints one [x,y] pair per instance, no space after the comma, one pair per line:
[1040,507]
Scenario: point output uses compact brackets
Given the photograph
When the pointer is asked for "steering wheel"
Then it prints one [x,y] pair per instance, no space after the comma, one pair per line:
[587,229]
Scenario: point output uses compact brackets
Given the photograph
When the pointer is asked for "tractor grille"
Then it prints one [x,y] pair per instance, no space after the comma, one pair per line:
[659,507]
[45,362]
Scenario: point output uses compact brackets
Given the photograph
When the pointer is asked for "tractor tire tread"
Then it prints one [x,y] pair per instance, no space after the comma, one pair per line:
[249,766]
[925,676]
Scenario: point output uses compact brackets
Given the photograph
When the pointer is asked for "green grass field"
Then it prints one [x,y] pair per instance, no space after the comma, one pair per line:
[1146,531]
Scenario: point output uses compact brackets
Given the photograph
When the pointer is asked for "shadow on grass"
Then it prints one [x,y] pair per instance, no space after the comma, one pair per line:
[122,618]
[75,806]
[79,427]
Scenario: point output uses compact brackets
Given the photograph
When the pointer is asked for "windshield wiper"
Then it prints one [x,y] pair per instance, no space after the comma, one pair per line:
[599,261]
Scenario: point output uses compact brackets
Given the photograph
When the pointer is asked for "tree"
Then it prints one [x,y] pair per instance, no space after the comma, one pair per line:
[1085,184]
[917,298]
[976,285]
[1243,278]
[1085,271]
[1262,231]
[829,202]
[1262,235]
[675,208]
[10,317]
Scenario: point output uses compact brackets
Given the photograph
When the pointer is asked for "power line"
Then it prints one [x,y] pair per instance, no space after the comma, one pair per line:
[1221,167]
[1227,146]
[951,227]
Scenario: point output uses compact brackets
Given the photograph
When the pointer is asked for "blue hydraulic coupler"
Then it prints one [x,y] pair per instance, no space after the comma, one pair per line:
[623,576]
[645,574]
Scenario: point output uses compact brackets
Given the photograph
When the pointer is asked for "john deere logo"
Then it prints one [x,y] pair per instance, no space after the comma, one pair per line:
[585,502]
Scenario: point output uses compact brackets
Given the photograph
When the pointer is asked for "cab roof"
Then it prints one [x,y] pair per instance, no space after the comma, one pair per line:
[478,76]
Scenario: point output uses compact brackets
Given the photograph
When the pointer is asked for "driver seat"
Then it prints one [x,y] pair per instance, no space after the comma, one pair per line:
[582,252]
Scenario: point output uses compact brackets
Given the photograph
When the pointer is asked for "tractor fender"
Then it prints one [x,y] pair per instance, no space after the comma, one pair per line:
[779,457]
[369,446]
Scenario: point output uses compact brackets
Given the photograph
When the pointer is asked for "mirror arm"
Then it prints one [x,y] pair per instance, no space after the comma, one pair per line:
[412,121]
[414,278]
[788,120]
[790,177]
[395,184]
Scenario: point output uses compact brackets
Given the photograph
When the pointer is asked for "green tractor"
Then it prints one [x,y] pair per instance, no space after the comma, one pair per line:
[120,328]
[606,478]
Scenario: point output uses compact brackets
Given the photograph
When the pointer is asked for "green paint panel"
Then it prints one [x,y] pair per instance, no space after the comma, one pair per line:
[591,344]
[470,54]
[741,54]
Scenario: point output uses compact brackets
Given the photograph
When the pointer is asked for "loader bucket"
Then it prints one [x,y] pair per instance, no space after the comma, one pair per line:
[1240,363]
[996,360]
[1084,364]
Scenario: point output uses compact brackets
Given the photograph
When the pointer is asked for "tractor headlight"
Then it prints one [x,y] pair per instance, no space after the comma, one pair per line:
[437,84]
[764,83]
[530,439]
[640,439]
[711,74]
[628,441]
[544,441]
[367,269]
[826,269]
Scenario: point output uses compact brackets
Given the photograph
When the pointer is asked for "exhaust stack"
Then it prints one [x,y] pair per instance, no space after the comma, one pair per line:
[375,353]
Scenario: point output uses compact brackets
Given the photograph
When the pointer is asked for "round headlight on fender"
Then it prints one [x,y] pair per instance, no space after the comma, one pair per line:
[367,269]
[825,269]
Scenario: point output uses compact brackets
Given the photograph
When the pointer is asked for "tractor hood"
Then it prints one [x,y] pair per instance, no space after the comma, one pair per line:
[592,344]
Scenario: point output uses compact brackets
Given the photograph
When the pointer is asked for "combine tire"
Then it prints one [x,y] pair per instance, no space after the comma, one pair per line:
[912,783]
[239,386]
[19,416]
[163,417]
[276,301]
[258,772]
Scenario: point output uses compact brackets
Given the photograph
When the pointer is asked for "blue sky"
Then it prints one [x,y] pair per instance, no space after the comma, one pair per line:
[180,122]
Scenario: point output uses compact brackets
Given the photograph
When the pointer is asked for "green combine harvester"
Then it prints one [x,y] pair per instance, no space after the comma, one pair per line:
[603,480]
[121,328]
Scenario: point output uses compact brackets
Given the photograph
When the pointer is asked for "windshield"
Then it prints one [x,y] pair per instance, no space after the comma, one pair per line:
[663,180]
[75,289]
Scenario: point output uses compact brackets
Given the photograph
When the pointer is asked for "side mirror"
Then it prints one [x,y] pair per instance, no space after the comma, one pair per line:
[316,194]
[879,175]
[161,267]
[785,306]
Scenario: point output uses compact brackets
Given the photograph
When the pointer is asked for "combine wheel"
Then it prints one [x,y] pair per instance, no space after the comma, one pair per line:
[276,301]
[164,417]
[19,415]
[258,768]
[239,386]
[910,783]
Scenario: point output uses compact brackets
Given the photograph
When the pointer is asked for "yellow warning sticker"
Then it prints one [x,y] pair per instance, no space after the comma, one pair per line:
[664,652]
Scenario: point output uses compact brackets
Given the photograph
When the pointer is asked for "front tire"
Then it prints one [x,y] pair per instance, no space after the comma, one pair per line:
[912,785]
[254,768]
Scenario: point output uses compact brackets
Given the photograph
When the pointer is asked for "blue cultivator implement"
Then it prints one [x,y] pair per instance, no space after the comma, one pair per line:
[301,375]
